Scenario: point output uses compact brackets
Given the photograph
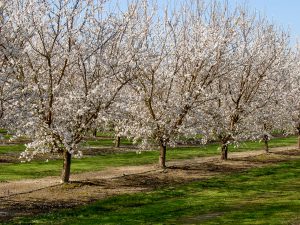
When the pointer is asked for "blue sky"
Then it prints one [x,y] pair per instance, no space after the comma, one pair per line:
[284,13]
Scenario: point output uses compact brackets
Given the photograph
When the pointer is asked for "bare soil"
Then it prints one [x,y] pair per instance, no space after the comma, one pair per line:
[31,197]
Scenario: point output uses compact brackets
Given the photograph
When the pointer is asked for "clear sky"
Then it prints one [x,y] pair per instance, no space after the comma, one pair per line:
[284,13]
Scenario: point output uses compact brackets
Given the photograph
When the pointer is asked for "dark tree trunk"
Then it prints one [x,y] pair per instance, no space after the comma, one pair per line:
[65,175]
[117,141]
[266,142]
[224,149]
[298,138]
[162,155]
[95,132]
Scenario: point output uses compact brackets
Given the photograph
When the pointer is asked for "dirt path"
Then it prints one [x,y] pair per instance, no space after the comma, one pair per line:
[27,197]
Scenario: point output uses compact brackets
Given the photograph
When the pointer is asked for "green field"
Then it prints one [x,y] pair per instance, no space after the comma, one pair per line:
[37,169]
[106,142]
[268,195]
[12,148]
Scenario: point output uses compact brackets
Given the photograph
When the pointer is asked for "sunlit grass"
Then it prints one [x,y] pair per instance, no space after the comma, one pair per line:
[267,195]
[105,142]
[12,148]
[37,169]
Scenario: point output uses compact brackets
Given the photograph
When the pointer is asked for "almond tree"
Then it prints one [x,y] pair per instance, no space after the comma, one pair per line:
[180,55]
[271,114]
[260,56]
[291,96]
[10,45]
[3,57]
[274,114]
[75,61]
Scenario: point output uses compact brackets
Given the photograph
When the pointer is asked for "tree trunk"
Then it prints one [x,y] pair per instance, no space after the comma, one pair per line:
[266,141]
[298,141]
[65,175]
[117,141]
[298,138]
[162,155]
[224,148]
[95,132]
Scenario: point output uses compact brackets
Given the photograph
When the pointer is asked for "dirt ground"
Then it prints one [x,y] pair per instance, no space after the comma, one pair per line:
[30,197]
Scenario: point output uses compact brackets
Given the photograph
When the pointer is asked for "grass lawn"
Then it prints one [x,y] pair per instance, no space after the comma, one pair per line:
[268,195]
[37,169]
[13,148]
[105,142]
[248,145]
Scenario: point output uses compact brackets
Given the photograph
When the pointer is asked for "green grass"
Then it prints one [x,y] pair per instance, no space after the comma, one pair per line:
[3,131]
[105,142]
[107,134]
[268,195]
[38,169]
[14,148]
[276,142]
[248,145]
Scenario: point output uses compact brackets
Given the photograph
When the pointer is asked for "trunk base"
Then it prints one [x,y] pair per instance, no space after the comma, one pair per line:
[266,141]
[162,156]
[224,149]
[65,175]
[117,141]
[95,132]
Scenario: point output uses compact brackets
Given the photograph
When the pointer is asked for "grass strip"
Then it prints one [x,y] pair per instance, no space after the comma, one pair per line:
[268,195]
[38,169]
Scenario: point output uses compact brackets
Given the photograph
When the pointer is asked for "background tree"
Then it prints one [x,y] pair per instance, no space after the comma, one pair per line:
[272,116]
[260,53]
[291,96]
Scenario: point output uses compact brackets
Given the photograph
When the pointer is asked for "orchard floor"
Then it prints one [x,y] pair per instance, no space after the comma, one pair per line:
[31,197]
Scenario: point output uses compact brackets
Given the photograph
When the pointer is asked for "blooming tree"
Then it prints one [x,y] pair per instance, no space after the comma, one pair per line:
[10,45]
[260,55]
[180,55]
[67,65]
[291,98]
[74,63]
[3,58]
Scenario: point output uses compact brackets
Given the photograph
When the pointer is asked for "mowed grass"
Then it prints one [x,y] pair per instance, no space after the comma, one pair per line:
[248,145]
[38,169]
[12,148]
[105,142]
[253,145]
[268,195]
